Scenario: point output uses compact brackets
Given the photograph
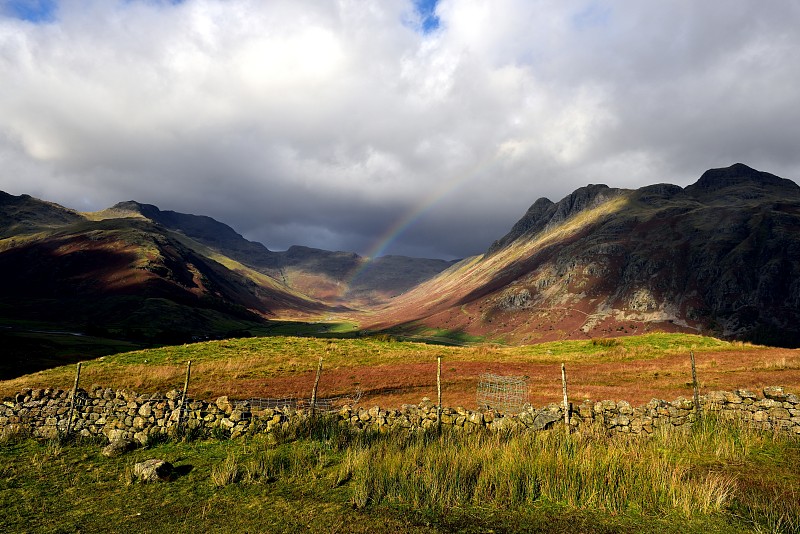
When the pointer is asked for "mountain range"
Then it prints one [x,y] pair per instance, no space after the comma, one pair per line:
[721,256]
[135,271]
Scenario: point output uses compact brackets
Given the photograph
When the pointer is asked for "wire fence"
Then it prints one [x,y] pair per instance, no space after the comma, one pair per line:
[322,405]
[508,394]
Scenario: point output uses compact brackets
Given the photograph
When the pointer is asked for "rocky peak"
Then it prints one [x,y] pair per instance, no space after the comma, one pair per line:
[545,214]
[742,179]
[131,206]
[581,199]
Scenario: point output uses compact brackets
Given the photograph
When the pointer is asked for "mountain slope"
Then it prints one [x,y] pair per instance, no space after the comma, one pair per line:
[335,277]
[203,229]
[24,215]
[129,276]
[720,256]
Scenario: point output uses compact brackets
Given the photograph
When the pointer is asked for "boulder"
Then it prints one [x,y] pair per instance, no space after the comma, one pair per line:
[544,419]
[153,470]
[118,447]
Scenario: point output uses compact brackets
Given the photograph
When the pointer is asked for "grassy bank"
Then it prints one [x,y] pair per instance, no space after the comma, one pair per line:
[284,365]
[718,478]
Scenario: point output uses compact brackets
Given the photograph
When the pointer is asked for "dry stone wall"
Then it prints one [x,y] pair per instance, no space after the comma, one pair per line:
[122,415]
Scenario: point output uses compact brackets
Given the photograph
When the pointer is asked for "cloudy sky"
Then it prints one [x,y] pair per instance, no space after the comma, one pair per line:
[388,126]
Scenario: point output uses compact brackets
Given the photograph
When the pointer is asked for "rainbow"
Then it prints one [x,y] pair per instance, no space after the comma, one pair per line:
[397,229]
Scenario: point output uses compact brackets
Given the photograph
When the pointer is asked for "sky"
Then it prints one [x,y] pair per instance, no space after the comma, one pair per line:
[424,128]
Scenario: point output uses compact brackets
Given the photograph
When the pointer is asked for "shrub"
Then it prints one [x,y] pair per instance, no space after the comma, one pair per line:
[606,342]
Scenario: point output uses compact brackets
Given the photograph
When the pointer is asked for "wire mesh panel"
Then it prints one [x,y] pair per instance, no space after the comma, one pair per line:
[324,404]
[259,404]
[507,394]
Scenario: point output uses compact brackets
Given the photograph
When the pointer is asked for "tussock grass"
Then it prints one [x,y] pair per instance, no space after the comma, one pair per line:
[614,475]
[50,453]
[707,471]
[286,463]
[13,434]
[226,472]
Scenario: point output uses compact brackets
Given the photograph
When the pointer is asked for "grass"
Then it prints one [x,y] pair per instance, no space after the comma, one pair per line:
[437,336]
[719,477]
[553,468]
[281,365]
[645,346]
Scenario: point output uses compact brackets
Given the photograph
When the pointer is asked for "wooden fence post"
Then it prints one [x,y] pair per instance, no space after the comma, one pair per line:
[314,391]
[183,395]
[564,390]
[697,411]
[72,399]
[439,392]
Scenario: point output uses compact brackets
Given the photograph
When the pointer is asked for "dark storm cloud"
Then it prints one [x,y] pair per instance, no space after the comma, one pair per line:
[333,124]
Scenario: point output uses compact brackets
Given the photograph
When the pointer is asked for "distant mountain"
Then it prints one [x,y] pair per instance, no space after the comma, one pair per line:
[720,256]
[334,277]
[347,278]
[25,215]
[205,230]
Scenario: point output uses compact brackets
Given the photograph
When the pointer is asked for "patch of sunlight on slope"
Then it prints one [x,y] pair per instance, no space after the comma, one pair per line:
[112,213]
[260,278]
[477,271]
[524,246]
[440,288]
[22,240]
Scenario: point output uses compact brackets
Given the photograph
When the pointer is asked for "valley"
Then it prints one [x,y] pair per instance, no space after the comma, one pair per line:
[720,257]
[620,286]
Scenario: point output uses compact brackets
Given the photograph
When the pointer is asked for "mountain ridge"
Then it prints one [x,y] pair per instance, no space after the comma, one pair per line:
[322,274]
[720,256]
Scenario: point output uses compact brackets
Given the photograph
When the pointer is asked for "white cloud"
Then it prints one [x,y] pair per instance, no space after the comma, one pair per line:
[335,119]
